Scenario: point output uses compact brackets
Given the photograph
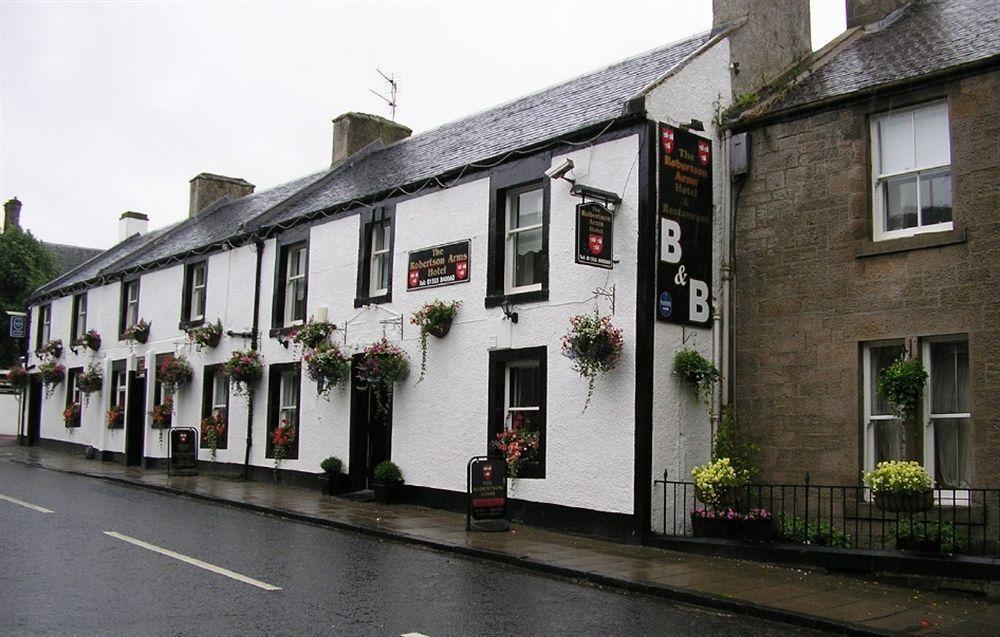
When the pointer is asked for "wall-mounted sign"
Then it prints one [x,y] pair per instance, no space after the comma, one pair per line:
[17,326]
[594,235]
[437,266]
[684,271]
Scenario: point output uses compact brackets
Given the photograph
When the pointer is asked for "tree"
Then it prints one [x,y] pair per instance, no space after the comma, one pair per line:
[25,265]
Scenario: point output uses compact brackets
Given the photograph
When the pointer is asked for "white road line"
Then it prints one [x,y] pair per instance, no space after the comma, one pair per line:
[28,505]
[194,561]
[413,635]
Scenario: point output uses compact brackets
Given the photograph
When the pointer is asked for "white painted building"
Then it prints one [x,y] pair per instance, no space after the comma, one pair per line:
[452,184]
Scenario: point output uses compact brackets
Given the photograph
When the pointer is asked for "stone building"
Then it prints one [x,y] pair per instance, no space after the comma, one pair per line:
[867,229]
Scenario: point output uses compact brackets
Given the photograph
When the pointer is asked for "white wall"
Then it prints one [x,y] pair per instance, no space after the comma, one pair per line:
[10,414]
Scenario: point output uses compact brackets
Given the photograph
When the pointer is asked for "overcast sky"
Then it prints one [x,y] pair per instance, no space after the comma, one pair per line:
[108,107]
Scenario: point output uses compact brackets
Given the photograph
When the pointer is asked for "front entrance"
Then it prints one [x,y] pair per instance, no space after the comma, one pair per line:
[135,419]
[371,429]
[34,409]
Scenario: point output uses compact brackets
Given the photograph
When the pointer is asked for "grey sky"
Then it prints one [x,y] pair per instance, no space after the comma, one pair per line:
[108,107]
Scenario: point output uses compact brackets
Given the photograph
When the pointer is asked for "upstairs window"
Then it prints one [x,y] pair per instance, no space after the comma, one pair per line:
[375,249]
[195,286]
[911,163]
[523,264]
[44,325]
[948,442]
[79,321]
[129,305]
[291,284]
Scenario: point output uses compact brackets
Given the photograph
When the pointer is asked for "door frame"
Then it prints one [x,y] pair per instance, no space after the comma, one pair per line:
[361,464]
[34,416]
[135,419]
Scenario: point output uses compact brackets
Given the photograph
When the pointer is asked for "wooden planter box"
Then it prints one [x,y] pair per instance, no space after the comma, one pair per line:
[905,502]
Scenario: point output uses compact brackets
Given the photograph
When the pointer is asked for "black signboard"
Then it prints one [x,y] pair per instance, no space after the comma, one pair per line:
[437,266]
[487,491]
[595,243]
[184,451]
[684,271]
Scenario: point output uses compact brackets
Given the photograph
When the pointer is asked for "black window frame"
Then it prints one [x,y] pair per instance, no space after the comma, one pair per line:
[43,311]
[499,359]
[186,321]
[160,392]
[503,180]
[123,304]
[74,324]
[283,244]
[119,370]
[71,388]
[274,373]
[369,219]
[208,405]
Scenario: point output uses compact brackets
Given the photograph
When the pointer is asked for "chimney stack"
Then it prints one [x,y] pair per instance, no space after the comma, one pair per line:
[862,12]
[207,188]
[773,36]
[354,131]
[131,223]
[11,215]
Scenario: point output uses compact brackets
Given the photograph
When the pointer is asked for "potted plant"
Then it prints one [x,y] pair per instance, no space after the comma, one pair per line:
[697,371]
[328,367]
[90,381]
[138,333]
[173,372]
[333,466]
[52,349]
[927,536]
[213,428]
[387,482]
[205,335]
[754,525]
[282,439]
[312,334]
[90,339]
[901,384]
[115,417]
[519,444]
[71,415]
[595,345]
[52,374]
[244,369]
[17,376]
[901,486]
[717,484]
[433,318]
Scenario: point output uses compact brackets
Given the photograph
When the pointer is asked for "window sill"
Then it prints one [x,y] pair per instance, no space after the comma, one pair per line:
[916,242]
[373,300]
[186,325]
[521,297]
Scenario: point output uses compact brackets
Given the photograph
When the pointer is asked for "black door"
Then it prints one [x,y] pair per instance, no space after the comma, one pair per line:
[34,409]
[371,430]
[135,419]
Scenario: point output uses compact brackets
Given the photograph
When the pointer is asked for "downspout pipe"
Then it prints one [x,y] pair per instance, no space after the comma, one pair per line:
[720,309]
[254,344]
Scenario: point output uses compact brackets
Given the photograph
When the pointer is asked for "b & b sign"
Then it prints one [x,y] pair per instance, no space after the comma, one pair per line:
[684,271]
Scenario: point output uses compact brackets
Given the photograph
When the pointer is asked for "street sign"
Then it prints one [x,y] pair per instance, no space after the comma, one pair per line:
[183,452]
[18,326]
[486,481]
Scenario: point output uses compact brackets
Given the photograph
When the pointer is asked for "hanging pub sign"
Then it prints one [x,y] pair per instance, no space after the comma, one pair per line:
[684,270]
[437,266]
[486,478]
[594,235]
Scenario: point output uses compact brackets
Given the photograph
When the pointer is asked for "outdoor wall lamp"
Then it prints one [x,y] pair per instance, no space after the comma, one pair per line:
[508,311]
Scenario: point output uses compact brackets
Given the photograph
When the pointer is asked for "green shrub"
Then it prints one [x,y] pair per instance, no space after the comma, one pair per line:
[901,384]
[952,541]
[794,529]
[387,471]
[333,465]
[733,443]
[697,371]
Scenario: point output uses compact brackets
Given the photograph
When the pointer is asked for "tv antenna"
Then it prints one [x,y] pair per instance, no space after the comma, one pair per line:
[391,101]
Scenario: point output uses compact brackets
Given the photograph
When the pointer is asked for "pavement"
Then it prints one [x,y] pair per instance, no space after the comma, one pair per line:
[841,603]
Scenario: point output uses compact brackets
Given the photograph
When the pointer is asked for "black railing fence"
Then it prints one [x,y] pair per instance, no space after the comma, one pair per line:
[963,521]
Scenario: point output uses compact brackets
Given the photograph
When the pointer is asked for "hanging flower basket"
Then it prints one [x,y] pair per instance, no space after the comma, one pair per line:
[205,335]
[52,374]
[52,349]
[17,376]
[115,417]
[901,384]
[138,333]
[90,339]
[213,429]
[71,415]
[519,444]
[433,318]
[173,372]
[328,367]
[696,371]
[901,486]
[594,345]
[282,439]
[313,334]
[90,381]
[244,369]
[382,364]
[162,414]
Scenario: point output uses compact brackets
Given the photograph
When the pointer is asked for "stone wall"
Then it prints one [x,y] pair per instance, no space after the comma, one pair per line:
[812,286]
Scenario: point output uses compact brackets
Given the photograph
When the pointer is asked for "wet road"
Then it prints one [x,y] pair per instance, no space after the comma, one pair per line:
[95,558]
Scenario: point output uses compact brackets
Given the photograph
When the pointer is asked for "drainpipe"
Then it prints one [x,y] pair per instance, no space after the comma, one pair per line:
[727,269]
[720,311]
[254,344]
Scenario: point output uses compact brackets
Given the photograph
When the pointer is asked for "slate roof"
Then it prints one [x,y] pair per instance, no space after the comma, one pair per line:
[583,102]
[922,38]
[68,257]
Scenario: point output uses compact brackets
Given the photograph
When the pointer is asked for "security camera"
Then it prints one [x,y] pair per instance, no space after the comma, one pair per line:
[560,169]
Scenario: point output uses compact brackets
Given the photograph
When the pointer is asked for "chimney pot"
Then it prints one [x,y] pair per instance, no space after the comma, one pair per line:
[207,188]
[11,215]
[131,223]
[354,131]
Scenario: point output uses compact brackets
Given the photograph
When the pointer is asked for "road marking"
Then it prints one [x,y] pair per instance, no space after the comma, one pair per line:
[25,504]
[413,635]
[194,562]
